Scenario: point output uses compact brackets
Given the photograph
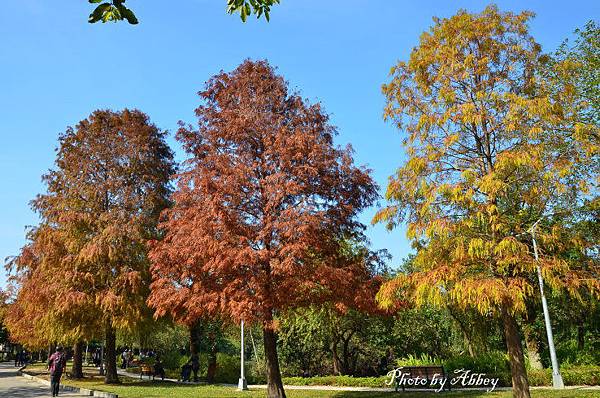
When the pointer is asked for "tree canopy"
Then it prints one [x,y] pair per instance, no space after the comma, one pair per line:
[46,309]
[86,265]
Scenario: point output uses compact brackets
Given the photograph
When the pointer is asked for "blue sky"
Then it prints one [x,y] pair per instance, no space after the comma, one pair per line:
[55,68]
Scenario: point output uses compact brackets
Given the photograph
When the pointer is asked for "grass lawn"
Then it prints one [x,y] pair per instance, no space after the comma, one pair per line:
[158,389]
[134,388]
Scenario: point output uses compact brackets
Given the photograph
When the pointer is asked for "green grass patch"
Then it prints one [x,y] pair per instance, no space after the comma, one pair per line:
[135,388]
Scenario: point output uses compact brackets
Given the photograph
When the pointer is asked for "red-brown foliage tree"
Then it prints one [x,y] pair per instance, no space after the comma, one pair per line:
[102,204]
[261,210]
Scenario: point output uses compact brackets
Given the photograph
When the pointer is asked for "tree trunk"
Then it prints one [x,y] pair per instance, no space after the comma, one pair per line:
[212,358]
[346,355]
[520,384]
[195,331]
[77,367]
[533,353]
[337,363]
[110,352]
[580,336]
[464,330]
[274,383]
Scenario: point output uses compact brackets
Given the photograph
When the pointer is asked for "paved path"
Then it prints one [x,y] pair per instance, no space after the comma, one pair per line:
[14,386]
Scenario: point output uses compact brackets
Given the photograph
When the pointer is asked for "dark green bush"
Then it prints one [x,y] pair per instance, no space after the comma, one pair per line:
[569,353]
[228,368]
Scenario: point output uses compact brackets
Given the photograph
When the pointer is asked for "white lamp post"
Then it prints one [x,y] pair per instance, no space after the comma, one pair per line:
[242,384]
[557,381]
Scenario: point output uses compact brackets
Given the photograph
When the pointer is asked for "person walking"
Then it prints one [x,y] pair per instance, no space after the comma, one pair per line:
[56,365]
[124,359]
[96,357]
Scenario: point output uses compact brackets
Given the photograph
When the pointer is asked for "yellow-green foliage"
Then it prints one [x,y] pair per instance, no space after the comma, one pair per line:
[494,142]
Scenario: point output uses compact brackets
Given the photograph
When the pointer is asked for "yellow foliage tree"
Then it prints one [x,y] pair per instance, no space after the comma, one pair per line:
[492,146]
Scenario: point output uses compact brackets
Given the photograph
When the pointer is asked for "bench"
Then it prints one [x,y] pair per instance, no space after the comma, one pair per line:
[146,370]
[424,372]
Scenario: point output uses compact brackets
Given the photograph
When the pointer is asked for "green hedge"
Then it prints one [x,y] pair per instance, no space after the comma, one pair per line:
[572,376]
[581,375]
[228,372]
[339,381]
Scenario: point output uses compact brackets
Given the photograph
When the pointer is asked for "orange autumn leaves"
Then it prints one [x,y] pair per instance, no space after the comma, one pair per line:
[262,206]
[263,209]
[86,267]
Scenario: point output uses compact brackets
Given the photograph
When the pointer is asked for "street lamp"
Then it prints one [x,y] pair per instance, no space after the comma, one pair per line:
[557,381]
[242,384]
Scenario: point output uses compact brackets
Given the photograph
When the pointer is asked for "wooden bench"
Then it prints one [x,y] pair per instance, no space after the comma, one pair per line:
[424,372]
[146,370]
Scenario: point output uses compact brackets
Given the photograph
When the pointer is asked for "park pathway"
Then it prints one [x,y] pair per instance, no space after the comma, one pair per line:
[14,386]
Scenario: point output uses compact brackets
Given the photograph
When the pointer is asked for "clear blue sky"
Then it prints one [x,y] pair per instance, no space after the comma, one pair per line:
[55,68]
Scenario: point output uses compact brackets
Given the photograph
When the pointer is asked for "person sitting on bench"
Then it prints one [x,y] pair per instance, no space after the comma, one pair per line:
[159,370]
[186,371]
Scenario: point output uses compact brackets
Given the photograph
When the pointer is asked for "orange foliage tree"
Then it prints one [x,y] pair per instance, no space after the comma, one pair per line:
[492,146]
[45,311]
[262,207]
[88,259]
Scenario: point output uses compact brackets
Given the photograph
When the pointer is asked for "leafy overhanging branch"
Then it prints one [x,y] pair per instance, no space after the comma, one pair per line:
[115,10]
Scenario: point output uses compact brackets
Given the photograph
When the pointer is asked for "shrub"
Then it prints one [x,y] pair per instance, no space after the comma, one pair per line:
[171,359]
[580,375]
[341,381]
[422,360]
[539,377]
[575,375]
[569,354]
[256,372]
[494,363]
[572,376]
[228,368]
[149,361]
